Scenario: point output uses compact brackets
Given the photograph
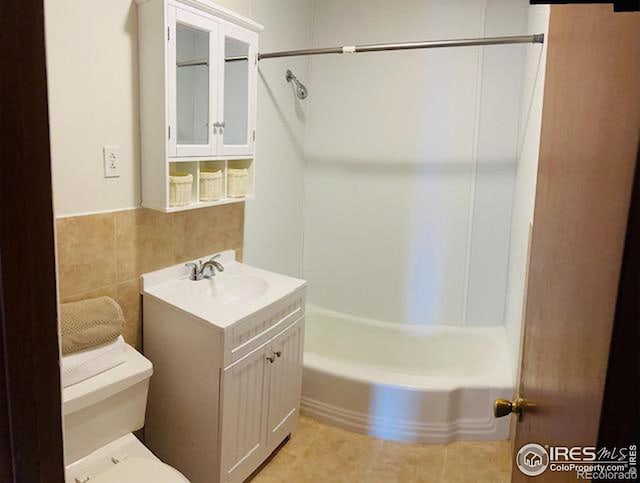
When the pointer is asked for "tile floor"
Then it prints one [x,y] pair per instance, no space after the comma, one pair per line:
[321,453]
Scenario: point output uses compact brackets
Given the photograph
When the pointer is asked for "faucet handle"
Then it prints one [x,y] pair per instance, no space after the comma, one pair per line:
[216,264]
[194,269]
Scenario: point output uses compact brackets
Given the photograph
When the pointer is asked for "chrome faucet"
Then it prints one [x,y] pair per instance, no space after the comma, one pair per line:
[198,270]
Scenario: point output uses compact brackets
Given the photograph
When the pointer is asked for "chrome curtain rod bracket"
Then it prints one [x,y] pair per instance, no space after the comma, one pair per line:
[430,44]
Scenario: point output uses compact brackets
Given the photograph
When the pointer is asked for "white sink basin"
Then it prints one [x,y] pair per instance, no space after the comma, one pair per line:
[233,289]
[223,299]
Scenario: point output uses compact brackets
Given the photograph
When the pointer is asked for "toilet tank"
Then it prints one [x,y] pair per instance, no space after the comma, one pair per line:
[105,407]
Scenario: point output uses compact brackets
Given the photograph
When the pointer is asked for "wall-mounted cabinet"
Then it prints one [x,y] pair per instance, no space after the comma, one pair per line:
[198,69]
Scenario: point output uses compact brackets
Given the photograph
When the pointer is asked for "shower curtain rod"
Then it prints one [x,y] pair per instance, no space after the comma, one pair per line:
[193,63]
[429,44]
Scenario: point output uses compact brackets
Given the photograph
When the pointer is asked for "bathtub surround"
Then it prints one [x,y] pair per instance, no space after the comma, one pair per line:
[411,162]
[525,182]
[105,254]
[274,224]
[422,207]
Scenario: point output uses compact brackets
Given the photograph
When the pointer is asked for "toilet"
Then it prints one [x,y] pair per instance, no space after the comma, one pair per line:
[100,415]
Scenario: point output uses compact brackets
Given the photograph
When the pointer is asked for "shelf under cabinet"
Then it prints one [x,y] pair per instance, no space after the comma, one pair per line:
[195,167]
[205,204]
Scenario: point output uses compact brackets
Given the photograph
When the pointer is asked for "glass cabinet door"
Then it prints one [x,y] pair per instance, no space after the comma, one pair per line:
[193,79]
[238,87]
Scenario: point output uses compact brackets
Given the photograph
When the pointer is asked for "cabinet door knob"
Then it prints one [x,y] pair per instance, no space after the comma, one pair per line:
[278,353]
[271,359]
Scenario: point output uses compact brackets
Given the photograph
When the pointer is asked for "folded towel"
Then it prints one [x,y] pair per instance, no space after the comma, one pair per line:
[89,322]
[84,364]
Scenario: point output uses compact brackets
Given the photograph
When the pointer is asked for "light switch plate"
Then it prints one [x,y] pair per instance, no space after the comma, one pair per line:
[111,156]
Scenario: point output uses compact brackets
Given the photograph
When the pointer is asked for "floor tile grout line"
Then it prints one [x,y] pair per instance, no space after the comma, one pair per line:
[373,459]
[298,459]
[313,438]
[444,463]
[303,452]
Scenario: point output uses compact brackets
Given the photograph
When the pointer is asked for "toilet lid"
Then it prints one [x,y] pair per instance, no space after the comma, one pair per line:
[140,470]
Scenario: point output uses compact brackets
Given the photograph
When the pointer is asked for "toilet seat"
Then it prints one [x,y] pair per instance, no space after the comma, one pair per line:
[139,470]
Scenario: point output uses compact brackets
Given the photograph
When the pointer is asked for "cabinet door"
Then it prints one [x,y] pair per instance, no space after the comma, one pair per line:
[193,77]
[285,383]
[243,414]
[237,107]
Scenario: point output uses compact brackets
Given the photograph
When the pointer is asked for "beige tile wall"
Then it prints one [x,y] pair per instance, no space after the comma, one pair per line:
[105,254]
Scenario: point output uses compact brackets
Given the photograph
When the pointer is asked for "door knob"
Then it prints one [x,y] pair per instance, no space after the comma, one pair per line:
[503,407]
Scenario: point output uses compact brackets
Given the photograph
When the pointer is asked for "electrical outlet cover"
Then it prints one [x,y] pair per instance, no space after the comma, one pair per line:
[111,157]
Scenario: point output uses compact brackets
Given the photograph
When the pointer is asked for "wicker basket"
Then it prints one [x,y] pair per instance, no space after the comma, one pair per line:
[180,187]
[211,184]
[237,182]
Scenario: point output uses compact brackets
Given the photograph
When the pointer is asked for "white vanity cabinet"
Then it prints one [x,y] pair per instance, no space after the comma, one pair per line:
[261,397]
[198,74]
[285,383]
[222,396]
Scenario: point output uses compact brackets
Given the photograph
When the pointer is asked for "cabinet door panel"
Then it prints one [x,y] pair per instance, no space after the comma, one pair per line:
[243,413]
[238,90]
[193,83]
[285,383]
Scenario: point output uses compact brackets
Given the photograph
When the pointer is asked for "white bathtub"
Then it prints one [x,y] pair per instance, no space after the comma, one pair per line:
[408,383]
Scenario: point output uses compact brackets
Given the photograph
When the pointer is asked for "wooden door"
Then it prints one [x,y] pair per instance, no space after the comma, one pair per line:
[243,413]
[589,140]
[285,383]
[30,401]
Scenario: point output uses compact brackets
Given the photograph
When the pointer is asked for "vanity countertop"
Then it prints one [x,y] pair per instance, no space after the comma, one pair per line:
[228,297]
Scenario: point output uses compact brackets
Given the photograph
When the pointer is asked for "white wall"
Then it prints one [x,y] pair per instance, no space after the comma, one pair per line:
[525,185]
[274,221]
[412,159]
[92,69]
